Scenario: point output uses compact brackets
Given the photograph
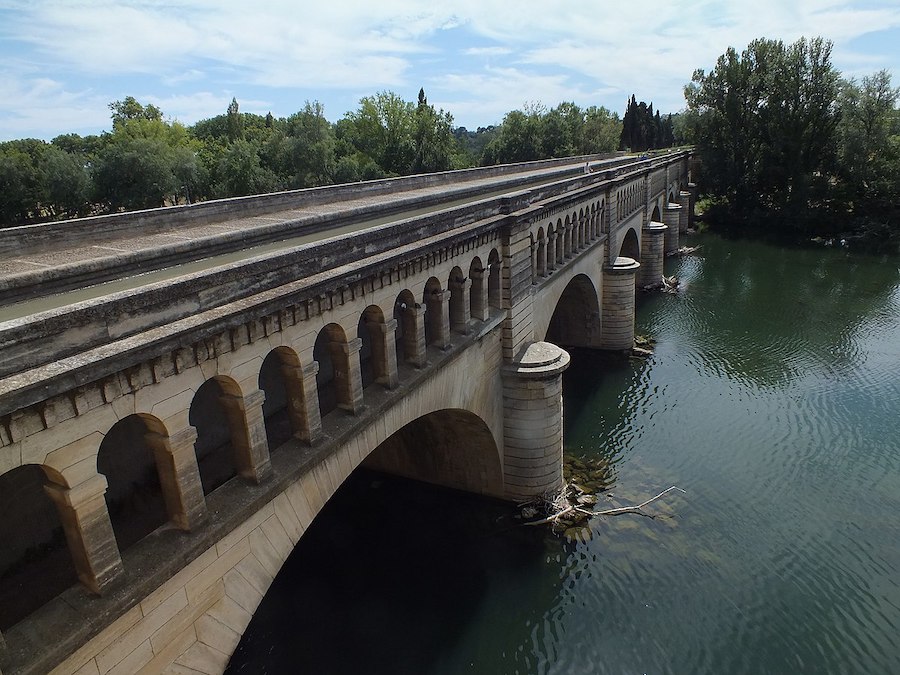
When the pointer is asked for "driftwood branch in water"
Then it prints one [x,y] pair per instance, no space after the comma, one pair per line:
[570,508]
[636,508]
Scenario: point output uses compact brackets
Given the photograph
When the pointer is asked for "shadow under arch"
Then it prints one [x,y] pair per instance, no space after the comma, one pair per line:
[453,448]
[576,318]
[631,247]
[363,573]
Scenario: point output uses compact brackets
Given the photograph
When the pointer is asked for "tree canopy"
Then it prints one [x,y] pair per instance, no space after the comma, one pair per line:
[147,160]
[787,144]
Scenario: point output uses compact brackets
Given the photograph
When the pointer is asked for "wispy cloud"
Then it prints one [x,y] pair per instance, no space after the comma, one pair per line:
[477,54]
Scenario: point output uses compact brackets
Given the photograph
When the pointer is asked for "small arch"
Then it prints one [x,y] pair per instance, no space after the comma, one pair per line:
[407,337]
[134,494]
[373,356]
[280,379]
[459,306]
[217,425]
[35,562]
[656,217]
[331,352]
[478,297]
[433,299]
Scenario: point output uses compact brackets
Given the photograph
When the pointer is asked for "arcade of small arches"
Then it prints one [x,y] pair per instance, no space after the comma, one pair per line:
[150,475]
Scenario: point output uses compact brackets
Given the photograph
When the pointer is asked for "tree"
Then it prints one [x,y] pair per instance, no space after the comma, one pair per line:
[765,126]
[130,109]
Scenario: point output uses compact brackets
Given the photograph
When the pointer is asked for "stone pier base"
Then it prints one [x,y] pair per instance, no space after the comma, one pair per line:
[532,421]
[672,218]
[617,323]
[652,255]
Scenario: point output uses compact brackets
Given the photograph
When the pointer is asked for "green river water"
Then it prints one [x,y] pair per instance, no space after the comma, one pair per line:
[772,399]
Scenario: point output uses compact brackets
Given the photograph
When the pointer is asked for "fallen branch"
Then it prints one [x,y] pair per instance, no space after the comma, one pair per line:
[636,508]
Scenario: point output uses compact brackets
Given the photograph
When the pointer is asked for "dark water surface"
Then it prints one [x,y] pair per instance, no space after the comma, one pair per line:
[773,399]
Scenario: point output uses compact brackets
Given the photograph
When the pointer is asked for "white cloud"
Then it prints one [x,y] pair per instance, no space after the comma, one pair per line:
[199,51]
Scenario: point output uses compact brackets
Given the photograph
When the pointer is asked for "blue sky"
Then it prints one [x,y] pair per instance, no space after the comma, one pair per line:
[62,62]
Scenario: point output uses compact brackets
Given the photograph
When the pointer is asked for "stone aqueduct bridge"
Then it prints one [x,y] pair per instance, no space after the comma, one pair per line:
[164,447]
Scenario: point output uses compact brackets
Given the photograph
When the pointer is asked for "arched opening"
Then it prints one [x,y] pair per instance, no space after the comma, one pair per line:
[280,379]
[373,361]
[134,495]
[631,247]
[459,301]
[656,216]
[407,334]
[433,299]
[333,379]
[495,290]
[541,270]
[576,318]
[453,448]
[35,563]
[215,424]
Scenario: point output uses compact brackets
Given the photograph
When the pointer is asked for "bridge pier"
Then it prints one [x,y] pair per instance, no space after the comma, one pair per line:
[692,188]
[3,653]
[348,380]
[532,421]
[437,314]
[89,534]
[617,325]
[652,255]
[385,355]
[179,476]
[684,201]
[672,218]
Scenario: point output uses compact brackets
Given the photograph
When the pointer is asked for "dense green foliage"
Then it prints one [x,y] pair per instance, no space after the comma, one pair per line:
[788,146]
[642,129]
[147,161]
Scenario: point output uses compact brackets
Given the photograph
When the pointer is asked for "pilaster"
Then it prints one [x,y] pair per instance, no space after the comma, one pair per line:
[89,534]
[652,255]
[303,401]
[248,435]
[349,382]
[179,476]
[438,317]
[479,295]
[672,218]
[617,325]
[388,376]
[551,252]
[459,305]
[532,421]
[414,340]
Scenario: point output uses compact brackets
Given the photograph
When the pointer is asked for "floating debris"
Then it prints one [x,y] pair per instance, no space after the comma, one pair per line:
[670,284]
[683,251]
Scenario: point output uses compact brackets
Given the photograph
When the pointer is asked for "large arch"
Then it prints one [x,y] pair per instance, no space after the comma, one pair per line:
[631,246]
[576,316]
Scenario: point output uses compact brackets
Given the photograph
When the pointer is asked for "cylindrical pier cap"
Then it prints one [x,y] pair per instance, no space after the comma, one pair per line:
[540,360]
[623,265]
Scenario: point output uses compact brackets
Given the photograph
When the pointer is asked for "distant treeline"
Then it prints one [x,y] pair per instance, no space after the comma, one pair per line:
[148,161]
